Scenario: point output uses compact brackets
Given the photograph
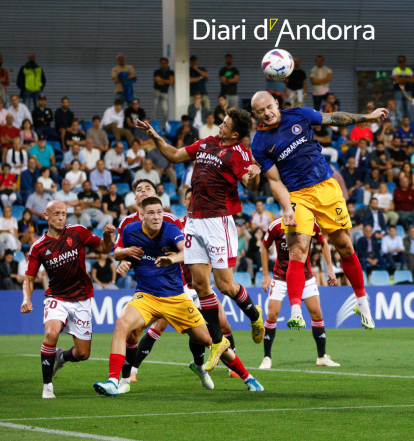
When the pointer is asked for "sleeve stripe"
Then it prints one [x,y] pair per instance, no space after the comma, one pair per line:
[36,243]
[275,222]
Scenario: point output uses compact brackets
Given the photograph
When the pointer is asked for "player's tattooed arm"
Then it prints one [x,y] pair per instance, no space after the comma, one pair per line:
[347,119]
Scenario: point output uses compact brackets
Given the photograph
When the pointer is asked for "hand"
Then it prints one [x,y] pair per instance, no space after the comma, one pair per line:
[266,282]
[378,113]
[134,252]
[146,128]
[108,230]
[402,86]
[289,218]
[253,171]
[186,129]
[123,267]
[332,277]
[26,306]
[164,261]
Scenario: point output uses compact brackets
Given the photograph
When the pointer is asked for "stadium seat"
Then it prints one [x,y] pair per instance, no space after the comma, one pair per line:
[243,279]
[55,145]
[17,212]
[365,278]
[391,186]
[170,190]
[212,281]
[360,206]
[1,211]
[157,126]
[380,278]
[88,125]
[123,188]
[179,170]
[98,232]
[242,193]
[171,128]
[179,210]
[273,208]
[249,209]
[259,278]
[18,256]
[126,147]
[401,276]
[400,231]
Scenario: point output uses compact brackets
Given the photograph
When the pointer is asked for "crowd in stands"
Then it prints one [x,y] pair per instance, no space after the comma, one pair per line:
[91,165]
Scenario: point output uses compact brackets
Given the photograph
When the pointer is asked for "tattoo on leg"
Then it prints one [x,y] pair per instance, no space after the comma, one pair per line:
[294,234]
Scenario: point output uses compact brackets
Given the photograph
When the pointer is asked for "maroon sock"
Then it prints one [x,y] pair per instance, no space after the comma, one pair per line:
[295,280]
[353,271]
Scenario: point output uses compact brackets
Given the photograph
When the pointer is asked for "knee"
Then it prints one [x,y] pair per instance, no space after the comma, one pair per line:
[121,326]
[229,289]
[52,336]
[272,316]
[133,336]
[83,354]
[316,314]
[201,287]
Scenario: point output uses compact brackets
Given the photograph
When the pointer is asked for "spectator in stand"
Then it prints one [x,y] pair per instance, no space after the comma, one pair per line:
[37,201]
[76,176]
[261,218]
[229,79]
[362,131]
[63,119]
[9,235]
[28,136]
[404,202]
[8,272]
[98,135]
[197,112]
[163,79]
[74,135]
[374,217]
[331,104]
[386,204]
[296,87]
[116,163]
[122,67]
[113,205]
[242,221]
[409,248]
[198,79]
[67,196]
[26,228]
[344,142]
[394,115]
[91,204]
[368,252]
[45,157]
[28,179]
[162,166]
[322,135]
[148,172]
[220,110]
[398,157]
[255,245]
[73,153]
[407,171]
[104,273]
[403,76]
[352,179]
[7,135]
[381,159]
[386,134]
[79,217]
[8,186]
[3,111]
[100,178]
[186,134]
[185,183]
[320,77]
[146,142]
[209,128]
[133,113]
[276,88]
[361,155]
[371,184]
[17,158]
[113,122]
[134,156]
[19,111]
[48,185]
[163,196]
[406,134]
[42,118]
[393,249]
[31,81]
[91,156]
[4,80]
[130,202]
[356,230]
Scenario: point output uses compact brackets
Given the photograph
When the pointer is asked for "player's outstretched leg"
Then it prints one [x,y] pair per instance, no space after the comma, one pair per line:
[197,366]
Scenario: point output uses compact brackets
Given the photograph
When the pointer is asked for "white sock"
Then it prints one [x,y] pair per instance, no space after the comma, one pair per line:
[248,378]
[134,370]
[114,380]
[124,381]
[363,301]
[296,310]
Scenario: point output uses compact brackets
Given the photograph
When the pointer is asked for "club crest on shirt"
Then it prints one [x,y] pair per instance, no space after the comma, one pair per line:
[222,153]
[69,241]
[296,129]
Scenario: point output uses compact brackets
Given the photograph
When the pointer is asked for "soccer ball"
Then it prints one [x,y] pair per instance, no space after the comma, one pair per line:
[278,64]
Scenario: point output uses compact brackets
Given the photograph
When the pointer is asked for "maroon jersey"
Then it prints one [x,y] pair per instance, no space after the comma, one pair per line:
[276,233]
[185,269]
[215,178]
[64,261]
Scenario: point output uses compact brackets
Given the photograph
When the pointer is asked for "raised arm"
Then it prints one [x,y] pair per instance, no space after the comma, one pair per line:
[105,245]
[347,119]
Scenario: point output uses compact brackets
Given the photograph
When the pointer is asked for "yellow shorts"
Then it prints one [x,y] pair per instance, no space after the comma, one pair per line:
[179,311]
[323,202]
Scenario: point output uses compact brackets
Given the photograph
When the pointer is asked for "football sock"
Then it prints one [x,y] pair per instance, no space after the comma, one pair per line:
[270,334]
[116,361]
[145,346]
[245,303]
[131,355]
[230,338]
[210,312]
[295,280]
[47,355]
[353,271]
[237,366]
[318,331]
[70,355]
[198,351]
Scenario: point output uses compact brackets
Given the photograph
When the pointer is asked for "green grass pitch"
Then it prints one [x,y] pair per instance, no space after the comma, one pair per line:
[300,401]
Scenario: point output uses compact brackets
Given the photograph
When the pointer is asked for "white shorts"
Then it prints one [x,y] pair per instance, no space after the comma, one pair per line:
[192,295]
[75,316]
[279,289]
[213,240]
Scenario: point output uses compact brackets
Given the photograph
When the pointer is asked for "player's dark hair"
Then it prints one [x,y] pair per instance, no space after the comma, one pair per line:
[152,200]
[118,102]
[189,190]
[136,183]
[242,121]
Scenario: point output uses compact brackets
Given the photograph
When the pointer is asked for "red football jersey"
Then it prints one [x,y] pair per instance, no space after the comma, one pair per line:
[7,182]
[185,269]
[216,174]
[64,262]
[276,233]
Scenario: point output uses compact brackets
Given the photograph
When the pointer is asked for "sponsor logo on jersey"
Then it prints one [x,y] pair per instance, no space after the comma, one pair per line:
[291,148]
[208,158]
[144,257]
[62,258]
[217,249]
[296,129]
[69,241]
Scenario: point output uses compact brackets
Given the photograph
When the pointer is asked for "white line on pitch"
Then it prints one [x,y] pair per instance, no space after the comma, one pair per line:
[300,371]
[63,432]
[208,412]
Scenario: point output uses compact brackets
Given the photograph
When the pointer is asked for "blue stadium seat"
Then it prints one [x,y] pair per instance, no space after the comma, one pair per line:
[249,209]
[242,193]
[179,170]
[157,126]
[17,212]
[212,281]
[98,232]
[243,279]
[18,256]
[400,231]
[401,276]
[259,278]
[391,186]
[171,128]
[170,190]
[179,210]
[380,278]
[365,278]
[359,206]
[88,125]
[1,211]
[81,125]
[123,188]
[126,147]
[273,208]
[55,145]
